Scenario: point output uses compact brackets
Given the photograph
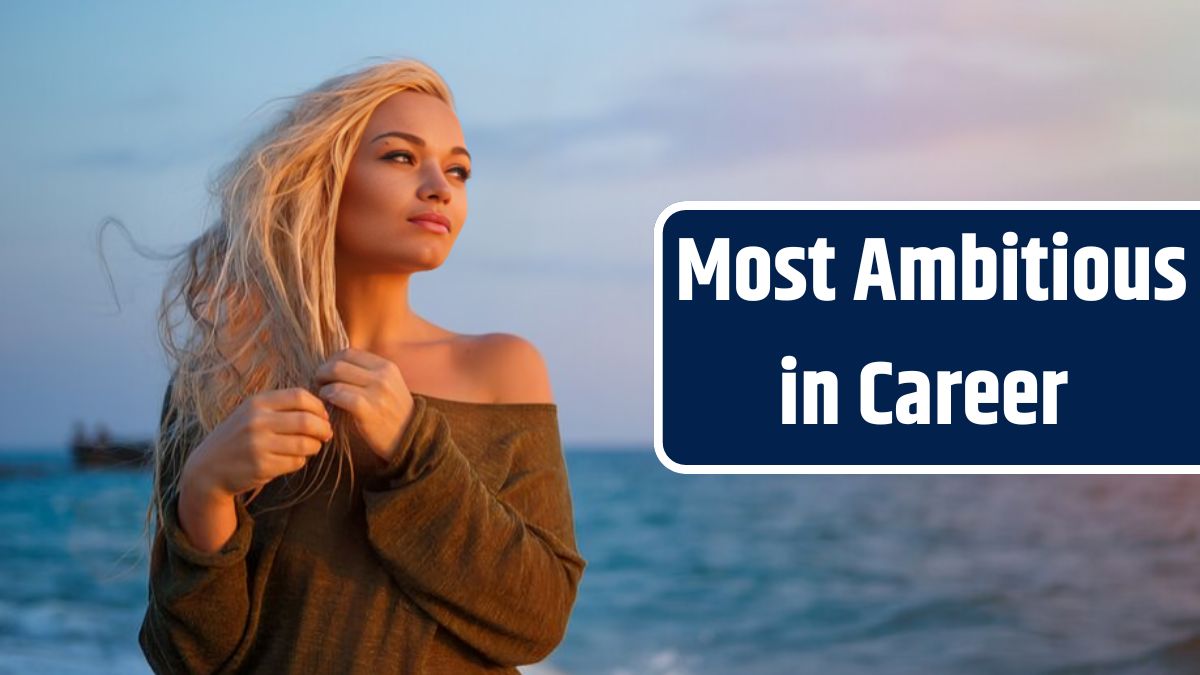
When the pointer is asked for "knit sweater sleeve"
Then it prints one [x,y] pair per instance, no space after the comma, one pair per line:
[198,601]
[499,570]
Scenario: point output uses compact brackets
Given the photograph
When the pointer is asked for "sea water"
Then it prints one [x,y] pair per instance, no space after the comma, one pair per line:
[696,574]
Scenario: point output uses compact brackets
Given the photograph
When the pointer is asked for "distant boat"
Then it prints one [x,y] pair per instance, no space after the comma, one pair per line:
[101,451]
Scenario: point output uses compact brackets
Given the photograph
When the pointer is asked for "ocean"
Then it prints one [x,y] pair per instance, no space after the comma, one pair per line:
[1060,575]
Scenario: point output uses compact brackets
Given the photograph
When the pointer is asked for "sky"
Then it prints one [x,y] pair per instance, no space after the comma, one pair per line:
[584,120]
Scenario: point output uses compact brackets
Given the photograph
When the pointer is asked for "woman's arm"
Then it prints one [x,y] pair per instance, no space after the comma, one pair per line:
[207,518]
[498,570]
[198,595]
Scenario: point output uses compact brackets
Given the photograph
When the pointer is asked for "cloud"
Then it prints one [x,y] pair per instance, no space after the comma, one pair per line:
[1021,95]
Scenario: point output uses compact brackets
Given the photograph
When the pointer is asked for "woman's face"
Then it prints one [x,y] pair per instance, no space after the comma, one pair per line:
[411,166]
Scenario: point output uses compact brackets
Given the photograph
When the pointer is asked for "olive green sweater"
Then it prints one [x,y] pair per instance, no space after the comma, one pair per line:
[458,557]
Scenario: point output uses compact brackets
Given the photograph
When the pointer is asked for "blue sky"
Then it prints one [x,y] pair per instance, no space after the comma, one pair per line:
[585,120]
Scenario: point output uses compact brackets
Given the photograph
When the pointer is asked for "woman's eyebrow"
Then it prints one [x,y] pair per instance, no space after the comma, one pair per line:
[417,140]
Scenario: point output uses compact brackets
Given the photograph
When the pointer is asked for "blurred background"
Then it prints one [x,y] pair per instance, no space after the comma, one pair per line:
[584,122]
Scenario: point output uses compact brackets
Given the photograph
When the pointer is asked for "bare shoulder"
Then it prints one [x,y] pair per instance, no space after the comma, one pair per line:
[513,368]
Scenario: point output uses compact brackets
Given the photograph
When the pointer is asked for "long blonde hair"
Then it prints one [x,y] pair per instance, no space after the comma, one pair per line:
[258,284]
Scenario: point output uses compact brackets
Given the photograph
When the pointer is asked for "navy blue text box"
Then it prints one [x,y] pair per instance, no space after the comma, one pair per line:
[1133,365]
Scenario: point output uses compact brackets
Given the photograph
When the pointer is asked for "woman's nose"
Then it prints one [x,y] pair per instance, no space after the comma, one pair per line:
[434,185]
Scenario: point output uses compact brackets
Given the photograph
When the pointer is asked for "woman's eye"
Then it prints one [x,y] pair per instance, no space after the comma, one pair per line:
[405,155]
[463,172]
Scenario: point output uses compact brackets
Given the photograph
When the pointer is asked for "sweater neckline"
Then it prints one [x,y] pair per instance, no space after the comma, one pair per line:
[536,406]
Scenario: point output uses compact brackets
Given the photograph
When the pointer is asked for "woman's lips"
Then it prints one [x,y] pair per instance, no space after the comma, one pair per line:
[434,222]
[430,225]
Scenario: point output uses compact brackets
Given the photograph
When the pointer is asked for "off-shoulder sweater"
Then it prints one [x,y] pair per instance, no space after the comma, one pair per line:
[458,557]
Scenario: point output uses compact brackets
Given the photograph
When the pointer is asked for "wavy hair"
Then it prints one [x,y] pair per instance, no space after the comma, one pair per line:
[257,286]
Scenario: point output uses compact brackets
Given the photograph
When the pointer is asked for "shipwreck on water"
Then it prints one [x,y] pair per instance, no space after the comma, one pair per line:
[101,450]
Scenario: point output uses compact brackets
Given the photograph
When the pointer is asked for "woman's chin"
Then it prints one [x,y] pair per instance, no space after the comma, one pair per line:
[415,259]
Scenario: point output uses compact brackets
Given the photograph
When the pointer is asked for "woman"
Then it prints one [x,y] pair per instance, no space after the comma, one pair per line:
[451,547]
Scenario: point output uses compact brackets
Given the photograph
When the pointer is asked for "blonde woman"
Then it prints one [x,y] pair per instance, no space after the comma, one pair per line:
[447,545]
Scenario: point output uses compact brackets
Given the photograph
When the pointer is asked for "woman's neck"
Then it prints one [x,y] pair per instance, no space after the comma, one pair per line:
[375,310]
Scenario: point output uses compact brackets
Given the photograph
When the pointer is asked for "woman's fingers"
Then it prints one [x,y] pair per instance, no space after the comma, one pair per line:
[301,423]
[295,445]
[277,465]
[294,398]
[348,397]
[339,370]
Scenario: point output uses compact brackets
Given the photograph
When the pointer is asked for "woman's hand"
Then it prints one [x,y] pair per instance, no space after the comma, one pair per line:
[270,434]
[372,389]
